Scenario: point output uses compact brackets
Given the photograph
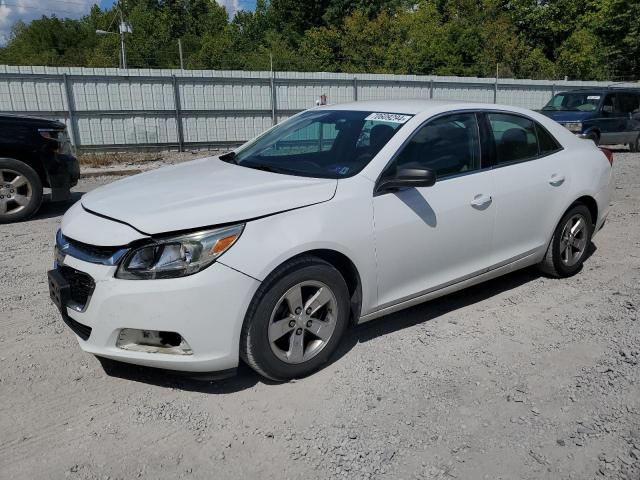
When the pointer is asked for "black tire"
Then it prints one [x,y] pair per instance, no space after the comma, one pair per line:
[255,346]
[635,145]
[552,264]
[13,211]
[593,136]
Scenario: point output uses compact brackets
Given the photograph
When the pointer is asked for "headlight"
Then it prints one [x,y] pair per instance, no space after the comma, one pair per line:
[178,256]
[575,127]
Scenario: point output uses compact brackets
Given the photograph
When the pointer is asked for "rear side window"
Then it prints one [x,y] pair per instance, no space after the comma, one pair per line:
[515,137]
[547,143]
[628,102]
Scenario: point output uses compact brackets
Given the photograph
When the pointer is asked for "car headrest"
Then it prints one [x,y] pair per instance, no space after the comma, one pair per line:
[379,136]
[514,135]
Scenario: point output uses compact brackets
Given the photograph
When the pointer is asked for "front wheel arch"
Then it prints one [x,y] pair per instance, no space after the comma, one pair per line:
[344,265]
[253,350]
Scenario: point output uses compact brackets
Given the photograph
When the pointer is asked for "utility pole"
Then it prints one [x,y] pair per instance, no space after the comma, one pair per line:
[123,29]
[180,52]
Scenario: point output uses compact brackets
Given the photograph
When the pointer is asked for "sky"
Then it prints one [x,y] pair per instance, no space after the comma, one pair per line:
[27,10]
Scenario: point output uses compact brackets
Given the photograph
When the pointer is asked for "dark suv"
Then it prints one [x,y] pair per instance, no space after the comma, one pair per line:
[34,153]
[608,116]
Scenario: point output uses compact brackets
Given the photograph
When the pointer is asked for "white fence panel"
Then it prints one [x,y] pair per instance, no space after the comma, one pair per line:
[108,108]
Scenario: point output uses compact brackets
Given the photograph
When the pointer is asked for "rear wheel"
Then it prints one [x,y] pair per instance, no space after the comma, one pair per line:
[296,320]
[20,190]
[571,239]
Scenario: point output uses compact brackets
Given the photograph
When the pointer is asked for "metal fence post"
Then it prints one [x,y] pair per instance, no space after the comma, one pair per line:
[274,113]
[73,127]
[355,89]
[176,101]
[431,89]
[495,85]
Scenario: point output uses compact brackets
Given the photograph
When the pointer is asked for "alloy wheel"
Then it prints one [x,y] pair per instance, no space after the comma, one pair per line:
[302,322]
[15,192]
[573,240]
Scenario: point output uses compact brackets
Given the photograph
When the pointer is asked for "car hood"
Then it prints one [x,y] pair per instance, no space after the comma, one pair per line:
[566,115]
[203,193]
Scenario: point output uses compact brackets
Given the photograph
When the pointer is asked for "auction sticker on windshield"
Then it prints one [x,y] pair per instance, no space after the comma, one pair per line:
[593,97]
[389,117]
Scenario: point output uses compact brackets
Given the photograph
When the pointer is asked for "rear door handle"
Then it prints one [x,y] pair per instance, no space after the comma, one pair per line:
[481,200]
[556,180]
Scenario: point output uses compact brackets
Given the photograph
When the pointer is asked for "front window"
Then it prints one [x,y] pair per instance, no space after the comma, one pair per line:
[321,143]
[448,145]
[574,101]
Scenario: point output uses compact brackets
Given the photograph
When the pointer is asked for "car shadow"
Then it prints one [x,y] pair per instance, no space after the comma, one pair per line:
[245,378]
[50,209]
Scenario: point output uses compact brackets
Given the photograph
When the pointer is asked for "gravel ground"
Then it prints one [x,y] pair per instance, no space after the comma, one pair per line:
[523,377]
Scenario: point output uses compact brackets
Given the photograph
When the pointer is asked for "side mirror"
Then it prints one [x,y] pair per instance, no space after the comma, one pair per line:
[407,178]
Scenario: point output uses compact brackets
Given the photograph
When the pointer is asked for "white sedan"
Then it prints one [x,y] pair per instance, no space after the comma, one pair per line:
[338,215]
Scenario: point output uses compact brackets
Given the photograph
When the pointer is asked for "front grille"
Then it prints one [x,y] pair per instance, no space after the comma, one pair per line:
[79,329]
[81,285]
[98,254]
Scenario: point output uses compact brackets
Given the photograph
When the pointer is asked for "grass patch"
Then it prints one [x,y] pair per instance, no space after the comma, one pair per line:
[98,160]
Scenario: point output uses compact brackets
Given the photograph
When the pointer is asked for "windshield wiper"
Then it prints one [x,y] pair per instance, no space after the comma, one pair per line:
[229,157]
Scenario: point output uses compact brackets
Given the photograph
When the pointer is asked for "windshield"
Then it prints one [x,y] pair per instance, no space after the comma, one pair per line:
[576,101]
[321,143]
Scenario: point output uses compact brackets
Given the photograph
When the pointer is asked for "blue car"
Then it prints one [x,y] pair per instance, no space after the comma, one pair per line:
[608,116]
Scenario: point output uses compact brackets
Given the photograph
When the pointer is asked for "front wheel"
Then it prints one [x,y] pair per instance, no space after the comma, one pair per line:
[20,190]
[296,320]
[635,145]
[571,239]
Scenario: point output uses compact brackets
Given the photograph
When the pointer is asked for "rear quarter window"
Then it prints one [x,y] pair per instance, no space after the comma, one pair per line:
[548,144]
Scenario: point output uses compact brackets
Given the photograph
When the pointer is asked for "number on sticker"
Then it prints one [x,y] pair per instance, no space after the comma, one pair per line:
[389,117]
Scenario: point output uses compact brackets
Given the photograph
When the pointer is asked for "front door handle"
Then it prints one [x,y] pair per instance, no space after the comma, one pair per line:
[481,201]
[556,180]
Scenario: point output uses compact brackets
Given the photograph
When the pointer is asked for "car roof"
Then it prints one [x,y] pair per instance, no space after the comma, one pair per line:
[602,89]
[408,106]
[31,120]
[419,106]
[435,107]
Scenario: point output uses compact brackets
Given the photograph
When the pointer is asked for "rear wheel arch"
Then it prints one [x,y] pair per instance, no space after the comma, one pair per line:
[588,202]
[594,134]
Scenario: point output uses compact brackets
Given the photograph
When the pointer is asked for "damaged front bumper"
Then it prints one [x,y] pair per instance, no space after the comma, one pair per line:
[188,324]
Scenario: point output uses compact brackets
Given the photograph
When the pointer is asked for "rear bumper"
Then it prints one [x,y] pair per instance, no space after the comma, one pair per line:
[603,200]
[207,309]
[63,172]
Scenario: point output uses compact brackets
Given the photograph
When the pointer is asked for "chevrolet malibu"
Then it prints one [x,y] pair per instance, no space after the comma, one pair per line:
[338,215]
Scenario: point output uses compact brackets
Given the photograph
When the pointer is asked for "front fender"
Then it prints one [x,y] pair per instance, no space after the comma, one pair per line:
[343,225]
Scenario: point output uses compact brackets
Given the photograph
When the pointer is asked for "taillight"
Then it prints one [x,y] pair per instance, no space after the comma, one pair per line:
[609,154]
